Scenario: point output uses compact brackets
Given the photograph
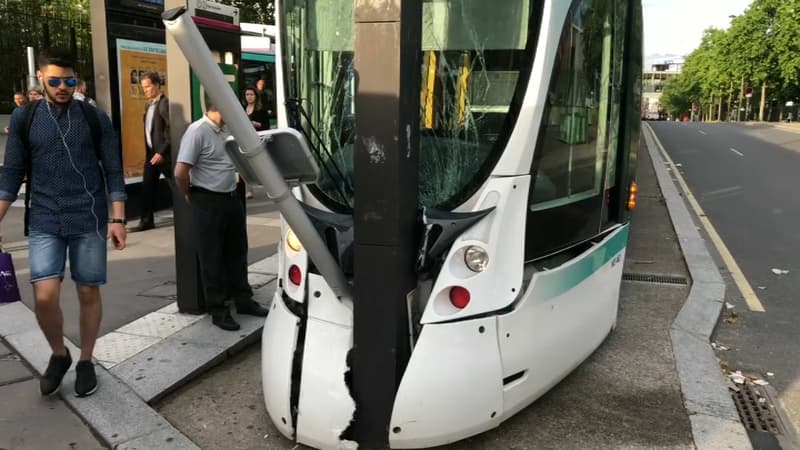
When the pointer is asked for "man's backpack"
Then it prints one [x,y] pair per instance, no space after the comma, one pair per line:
[28,111]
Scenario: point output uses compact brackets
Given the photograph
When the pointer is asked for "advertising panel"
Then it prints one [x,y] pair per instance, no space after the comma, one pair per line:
[134,59]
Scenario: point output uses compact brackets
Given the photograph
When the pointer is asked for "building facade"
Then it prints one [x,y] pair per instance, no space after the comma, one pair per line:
[658,70]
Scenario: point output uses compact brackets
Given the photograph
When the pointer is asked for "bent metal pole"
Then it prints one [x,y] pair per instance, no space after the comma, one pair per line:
[194,48]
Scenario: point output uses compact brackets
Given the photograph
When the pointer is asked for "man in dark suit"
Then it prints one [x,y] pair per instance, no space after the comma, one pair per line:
[156,138]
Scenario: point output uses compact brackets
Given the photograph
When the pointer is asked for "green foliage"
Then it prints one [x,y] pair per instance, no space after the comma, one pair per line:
[787,39]
[255,11]
[677,95]
[760,48]
[40,24]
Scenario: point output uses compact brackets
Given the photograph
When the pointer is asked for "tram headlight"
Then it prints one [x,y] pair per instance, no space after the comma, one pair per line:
[292,241]
[476,258]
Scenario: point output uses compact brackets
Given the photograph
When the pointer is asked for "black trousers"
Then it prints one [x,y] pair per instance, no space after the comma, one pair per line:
[221,239]
[150,188]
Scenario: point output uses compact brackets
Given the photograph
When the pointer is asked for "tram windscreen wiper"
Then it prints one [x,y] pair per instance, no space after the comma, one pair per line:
[297,115]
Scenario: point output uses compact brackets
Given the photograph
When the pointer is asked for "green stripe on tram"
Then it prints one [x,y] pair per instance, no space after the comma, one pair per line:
[248,56]
[551,284]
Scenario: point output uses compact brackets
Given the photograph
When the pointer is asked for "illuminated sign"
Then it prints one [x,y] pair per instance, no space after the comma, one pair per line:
[214,11]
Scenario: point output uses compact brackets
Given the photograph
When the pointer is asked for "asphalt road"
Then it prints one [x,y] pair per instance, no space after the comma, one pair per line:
[745,178]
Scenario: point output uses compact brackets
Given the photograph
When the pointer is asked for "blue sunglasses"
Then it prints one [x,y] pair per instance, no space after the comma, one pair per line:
[56,82]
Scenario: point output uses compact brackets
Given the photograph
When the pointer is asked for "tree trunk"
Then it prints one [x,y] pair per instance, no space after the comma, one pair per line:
[763,102]
[730,99]
[719,108]
[710,114]
[741,103]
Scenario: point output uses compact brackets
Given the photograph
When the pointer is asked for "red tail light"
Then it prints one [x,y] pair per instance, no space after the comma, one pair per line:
[295,275]
[459,297]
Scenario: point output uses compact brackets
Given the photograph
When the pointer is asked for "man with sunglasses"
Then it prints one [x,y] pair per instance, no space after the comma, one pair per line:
[54,146]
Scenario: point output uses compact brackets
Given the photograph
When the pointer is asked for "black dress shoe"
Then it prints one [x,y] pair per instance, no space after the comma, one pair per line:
[225,322]
[252,309]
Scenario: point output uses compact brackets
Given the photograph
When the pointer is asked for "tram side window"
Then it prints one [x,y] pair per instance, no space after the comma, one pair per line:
[319,48]
[576,159]
[568,168]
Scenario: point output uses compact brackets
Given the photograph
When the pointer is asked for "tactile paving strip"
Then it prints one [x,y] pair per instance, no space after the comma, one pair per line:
[159,325]
[117,347]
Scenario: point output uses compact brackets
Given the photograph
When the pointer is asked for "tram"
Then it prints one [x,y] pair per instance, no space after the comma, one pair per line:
[258,60]
[528,133]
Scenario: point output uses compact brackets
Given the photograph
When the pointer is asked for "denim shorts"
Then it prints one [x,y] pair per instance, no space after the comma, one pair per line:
[87,257]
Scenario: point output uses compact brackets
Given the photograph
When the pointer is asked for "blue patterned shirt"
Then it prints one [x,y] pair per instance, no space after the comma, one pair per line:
[68,195]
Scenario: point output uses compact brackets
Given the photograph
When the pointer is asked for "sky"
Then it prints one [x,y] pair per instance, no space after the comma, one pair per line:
[675,27]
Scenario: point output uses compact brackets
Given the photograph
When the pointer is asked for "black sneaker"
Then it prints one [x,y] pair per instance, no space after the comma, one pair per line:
[56,368]
[85,379]
[252,309]
[225,322]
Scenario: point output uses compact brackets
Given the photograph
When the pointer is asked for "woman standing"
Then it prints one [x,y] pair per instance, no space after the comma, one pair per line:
[258,116]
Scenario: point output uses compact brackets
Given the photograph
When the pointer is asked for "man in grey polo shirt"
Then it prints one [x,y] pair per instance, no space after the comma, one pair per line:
[207,178]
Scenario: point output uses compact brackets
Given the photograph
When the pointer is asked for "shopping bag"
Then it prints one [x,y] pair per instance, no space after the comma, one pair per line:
[9,290]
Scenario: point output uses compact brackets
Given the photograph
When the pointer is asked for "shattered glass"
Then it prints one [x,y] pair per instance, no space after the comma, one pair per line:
[472,55]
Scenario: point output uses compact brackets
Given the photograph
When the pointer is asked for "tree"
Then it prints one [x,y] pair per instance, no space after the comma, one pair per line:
[787,42]
[256,11]
[41,24]
[702,78]
[754,34]
[760,49]
[677,94]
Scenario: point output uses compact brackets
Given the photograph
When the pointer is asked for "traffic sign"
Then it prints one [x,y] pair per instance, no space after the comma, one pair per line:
[748,91]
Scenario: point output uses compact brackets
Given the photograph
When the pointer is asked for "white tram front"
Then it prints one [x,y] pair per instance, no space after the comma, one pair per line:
[528,130]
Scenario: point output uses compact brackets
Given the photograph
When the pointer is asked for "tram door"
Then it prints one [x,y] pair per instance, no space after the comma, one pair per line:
[260,66]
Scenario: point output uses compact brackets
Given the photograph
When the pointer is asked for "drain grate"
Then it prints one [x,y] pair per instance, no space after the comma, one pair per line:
[654,278]
[756,409]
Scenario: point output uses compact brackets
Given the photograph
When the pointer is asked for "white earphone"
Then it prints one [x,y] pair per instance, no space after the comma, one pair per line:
[63,136]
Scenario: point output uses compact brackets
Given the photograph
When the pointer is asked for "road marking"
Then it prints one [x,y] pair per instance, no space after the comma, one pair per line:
[721,192]
[701,132]
[737,152]
[746,290]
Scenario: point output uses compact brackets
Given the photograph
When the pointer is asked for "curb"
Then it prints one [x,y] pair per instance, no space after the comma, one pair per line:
[714,419]
[780,125]
[119,413]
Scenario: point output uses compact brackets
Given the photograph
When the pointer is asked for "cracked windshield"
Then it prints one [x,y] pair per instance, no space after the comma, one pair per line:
[472,56]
